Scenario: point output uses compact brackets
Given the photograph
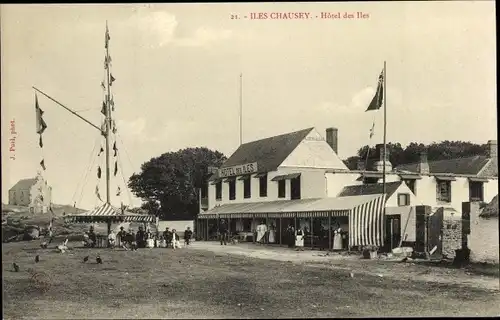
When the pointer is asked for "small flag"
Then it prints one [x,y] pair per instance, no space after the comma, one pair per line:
[118,192]
[116,168]
[97,192]
[106,37]
[102,85]
[103,128]
[115,148]
[379,95]
[103,109]
[111,101]
[114,127]
[41,197]
[50,208]
[100,151]
[111,79]
[372,130]
[40,142]
[42,164]
[74,204]
[99,172]
[40,123]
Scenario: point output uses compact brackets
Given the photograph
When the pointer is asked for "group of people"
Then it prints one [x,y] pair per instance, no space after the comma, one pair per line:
[142,239]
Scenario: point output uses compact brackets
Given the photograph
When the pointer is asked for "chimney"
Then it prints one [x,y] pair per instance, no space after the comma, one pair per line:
[332,138]
[423,165]
[492,149]
[378,165]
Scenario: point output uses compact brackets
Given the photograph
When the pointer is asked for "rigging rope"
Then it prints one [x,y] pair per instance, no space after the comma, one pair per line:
[88,167]
[86,180]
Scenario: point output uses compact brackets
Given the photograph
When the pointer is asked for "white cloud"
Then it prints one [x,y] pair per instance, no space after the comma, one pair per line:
[204,36]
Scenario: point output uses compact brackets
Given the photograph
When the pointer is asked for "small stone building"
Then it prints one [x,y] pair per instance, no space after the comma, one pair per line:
[34,193]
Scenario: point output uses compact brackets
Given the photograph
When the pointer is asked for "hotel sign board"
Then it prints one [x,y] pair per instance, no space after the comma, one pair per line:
[239,170]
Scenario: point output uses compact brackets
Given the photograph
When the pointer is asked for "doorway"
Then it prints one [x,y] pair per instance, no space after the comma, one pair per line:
[392,231]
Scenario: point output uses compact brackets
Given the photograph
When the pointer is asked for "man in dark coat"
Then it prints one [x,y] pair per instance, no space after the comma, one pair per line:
[92,236]
[223,232]
[187,235]
[167,235]
[140,238]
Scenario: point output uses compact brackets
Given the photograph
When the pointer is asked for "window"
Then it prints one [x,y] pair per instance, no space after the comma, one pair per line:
[263,185]
[476,191]
[218,190]
[204,190]
[295,188]
[247,190]
[403,199]
[281,188]
[443,191]
[411,184]
[232,189]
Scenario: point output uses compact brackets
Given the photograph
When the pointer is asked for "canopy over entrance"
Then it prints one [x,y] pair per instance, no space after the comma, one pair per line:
[365,212]
[108,213]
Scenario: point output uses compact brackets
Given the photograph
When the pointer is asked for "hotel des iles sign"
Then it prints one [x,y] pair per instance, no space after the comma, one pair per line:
[239,170]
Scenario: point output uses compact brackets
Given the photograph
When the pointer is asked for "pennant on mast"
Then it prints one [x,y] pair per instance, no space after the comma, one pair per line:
[377,100]
[40,123]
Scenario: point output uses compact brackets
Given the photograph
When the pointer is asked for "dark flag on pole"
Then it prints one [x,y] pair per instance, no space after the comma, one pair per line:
[379,95]
[118,192]
[115,148]
[40,123]
[100,151]
[111,79]
[107,37]
[99,172]
[42,164]
[97,192]
[40,142]
[116,168]
[103,109]
[102,85]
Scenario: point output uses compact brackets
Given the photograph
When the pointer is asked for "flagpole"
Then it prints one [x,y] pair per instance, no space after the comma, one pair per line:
[107,121]
[241,109]
[385,136]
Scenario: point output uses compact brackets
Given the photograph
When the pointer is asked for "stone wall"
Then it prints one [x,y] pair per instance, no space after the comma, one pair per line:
[452,237]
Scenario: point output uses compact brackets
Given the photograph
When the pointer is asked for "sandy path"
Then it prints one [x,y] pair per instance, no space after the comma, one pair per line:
[402,271]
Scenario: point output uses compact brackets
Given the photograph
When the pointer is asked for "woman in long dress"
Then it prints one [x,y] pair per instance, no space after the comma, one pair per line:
[261,232]
[299,240]
[272,234]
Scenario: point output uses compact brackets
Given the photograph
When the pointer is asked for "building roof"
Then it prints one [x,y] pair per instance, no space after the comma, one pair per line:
[491,210]
[371,188]
[269,153]
[469,165]
[23,184]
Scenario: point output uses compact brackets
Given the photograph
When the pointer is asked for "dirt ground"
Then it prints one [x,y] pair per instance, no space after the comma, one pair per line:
[240,281]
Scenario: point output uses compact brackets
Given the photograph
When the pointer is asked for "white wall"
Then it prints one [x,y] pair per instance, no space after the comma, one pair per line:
[483,238]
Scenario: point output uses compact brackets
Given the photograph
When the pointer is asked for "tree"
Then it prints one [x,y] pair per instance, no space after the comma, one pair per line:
[173,180]
[411,153]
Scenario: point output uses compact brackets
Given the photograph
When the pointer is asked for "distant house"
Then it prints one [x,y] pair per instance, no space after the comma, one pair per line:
[33,193]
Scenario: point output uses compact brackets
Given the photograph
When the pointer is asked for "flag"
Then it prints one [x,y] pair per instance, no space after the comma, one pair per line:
[107,37]
[372,130]
[103,128]
[99,172]
[118,192]
[97,192]
[111,79]
[103,109]
[115,148]
[102,85]
[40,123]
[40,142]
[42,164]
[379,95]
[116,168]
[114,127]
[100,151]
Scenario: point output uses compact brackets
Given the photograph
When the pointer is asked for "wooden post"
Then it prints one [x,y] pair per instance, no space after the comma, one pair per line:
[312,233]
[253,232]
[281,229]
[206,230]
[330,231]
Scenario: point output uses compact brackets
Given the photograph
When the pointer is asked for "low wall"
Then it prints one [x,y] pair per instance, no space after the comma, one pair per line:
[483,240]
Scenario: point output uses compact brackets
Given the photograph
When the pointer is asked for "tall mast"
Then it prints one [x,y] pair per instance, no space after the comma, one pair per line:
[108,120]
[241,109]
[385,128]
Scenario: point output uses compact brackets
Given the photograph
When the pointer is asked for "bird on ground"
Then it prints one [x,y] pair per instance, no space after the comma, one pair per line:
[98,259]
[37,258]
[86,259]
[16,267]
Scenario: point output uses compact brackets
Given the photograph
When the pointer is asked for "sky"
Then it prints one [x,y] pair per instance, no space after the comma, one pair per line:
[177,69]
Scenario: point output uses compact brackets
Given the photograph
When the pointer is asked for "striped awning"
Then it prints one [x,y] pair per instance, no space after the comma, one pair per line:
[366,223]
[106,213]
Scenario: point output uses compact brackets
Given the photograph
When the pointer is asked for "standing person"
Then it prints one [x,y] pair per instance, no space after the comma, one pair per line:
[223,232]
[187,235]
[299,239]
[121,237]
[140,238]
[290,236]
[167,235]
[131,239]
[261,233]
[272,234]
[92,237]
[111,239]
[175,239]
